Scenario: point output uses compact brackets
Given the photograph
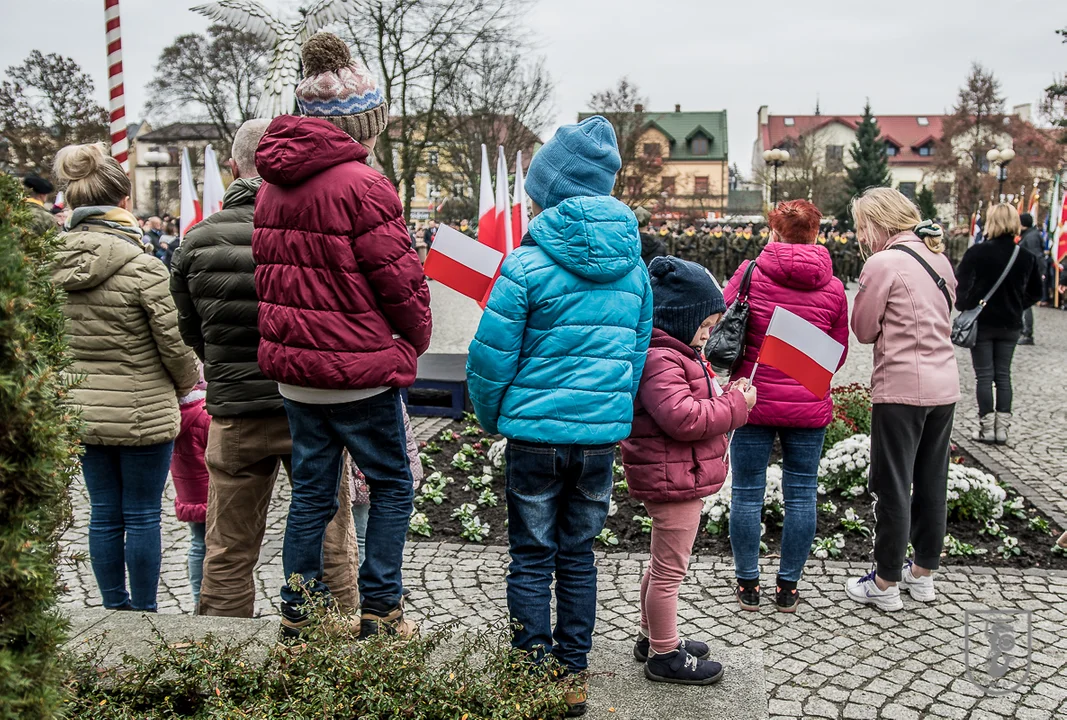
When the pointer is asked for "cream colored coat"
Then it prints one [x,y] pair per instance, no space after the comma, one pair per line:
[123,330]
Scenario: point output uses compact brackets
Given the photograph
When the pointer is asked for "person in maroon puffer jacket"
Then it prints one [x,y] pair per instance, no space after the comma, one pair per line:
[794,273]
[188,470]
[676,456]
[344,312]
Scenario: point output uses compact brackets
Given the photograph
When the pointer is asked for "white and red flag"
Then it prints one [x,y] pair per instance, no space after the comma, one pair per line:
[801,351]
[486,206]
[520,215]
[462,263]
[213,188]
[190,207]
[503,207]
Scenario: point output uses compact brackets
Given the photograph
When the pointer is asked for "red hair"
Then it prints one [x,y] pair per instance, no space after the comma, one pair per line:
[796,221]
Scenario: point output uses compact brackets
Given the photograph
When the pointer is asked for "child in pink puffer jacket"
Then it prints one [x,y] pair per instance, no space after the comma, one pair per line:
[189,472]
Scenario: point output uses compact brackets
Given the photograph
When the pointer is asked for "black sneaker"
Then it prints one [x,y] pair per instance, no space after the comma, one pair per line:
[1026,341]
[786,596]
[748,595]
[681,668]
[693,647]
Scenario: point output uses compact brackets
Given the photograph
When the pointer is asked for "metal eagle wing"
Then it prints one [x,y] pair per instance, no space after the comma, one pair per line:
[247,15]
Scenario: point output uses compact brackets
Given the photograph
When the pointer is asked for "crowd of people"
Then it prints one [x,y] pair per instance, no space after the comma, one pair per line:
[286,325]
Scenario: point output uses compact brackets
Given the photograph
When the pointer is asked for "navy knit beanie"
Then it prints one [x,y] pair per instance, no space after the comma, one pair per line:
[684,294]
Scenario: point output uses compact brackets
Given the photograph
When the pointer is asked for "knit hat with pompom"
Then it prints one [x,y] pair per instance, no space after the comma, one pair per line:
[340,89]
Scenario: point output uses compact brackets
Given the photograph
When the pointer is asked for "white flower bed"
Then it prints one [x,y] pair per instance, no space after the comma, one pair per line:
[846,466]
[973,494]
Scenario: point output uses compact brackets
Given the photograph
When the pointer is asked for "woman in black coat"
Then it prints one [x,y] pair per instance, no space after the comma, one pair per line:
[1001,321]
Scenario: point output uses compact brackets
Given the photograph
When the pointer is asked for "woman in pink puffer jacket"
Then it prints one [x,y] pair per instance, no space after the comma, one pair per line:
[794,273]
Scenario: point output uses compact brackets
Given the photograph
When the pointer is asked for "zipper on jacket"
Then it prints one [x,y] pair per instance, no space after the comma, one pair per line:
[704,367]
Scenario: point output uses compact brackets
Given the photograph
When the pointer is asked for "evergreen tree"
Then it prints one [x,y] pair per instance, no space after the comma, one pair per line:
[869,158]
[925,201]
[38,459]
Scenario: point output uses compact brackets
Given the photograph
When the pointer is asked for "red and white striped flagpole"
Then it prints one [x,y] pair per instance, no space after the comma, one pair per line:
[117,117]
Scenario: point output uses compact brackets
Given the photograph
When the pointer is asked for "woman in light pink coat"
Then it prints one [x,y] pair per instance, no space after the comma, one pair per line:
[903,308]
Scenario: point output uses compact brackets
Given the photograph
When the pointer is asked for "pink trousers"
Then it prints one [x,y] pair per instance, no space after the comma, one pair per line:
[674,528]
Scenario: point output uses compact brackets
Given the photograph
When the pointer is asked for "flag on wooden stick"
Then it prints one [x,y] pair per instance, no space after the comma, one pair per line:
[486,205]
[520,215]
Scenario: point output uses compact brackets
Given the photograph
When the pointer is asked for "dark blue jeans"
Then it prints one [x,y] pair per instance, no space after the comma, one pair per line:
[125,487]
[558,498]
[373,432]
[750,452]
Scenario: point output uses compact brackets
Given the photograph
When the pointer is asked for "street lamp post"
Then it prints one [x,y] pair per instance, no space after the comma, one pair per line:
[1000,159]
[776,158]
[156,159]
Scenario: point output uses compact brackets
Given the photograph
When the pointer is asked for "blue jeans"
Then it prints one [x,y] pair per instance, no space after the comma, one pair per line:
[360,517]
[558,498]
[750,452]
[197,550]
[125,487]
[373,432]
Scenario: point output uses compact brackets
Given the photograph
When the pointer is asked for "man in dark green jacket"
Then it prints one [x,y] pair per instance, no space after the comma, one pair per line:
[212,280]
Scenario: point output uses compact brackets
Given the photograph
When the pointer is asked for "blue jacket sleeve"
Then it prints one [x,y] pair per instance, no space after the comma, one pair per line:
[644,336]
[493,357]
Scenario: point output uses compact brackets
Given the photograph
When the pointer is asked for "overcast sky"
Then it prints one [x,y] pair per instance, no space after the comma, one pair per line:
[909,56]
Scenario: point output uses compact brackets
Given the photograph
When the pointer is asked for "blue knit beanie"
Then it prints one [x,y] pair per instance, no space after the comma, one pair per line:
[579,161]
[684,294]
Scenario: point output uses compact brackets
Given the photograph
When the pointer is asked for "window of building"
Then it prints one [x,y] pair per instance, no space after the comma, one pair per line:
[700,185]
[666,185]
[790,122]
[652,150]
[835,158]
[922,121]
[175,155]
[699,146]
[926,150]
[942,192]
[890,149]
[433,158]
[907,189]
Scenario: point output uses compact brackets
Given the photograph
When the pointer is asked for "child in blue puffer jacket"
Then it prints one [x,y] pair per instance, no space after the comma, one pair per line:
[554,367]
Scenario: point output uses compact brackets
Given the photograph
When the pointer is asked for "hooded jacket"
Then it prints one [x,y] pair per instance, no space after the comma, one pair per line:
[677,447]
[343,303]
[559,351]
[211,278]
[123,332]
[188,469]
[901,311]
[799,278]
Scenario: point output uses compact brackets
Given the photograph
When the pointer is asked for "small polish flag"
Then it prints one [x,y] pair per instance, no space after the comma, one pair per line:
[190,206]
[486,206]
[503,207]
[213,188]
[801,351]
[462,263]
[520,216]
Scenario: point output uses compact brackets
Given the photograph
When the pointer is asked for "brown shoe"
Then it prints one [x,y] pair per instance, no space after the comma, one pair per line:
[390,623]
[333,622]
[577,698]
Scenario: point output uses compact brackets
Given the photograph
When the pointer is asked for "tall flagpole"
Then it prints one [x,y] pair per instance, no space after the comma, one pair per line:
[116,94]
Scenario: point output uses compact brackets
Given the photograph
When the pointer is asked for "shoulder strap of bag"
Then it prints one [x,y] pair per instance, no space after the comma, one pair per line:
[746,282]
[1000,280]
[941,284]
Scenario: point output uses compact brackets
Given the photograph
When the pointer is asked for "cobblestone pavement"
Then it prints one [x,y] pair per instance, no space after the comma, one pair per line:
[832,659]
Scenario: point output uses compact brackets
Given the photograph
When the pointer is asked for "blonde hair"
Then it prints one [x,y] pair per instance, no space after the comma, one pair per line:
[886,208]
[91,176]
[1003,219]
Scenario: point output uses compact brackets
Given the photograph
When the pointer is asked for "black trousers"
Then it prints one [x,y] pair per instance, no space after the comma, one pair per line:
[992,356]
[909,480]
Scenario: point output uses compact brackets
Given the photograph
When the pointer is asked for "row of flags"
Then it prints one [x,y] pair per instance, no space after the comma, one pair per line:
[192,211]
[1056,230]
[470,266]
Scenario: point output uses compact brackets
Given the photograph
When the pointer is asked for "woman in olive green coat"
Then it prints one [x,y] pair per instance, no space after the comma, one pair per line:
[132,366]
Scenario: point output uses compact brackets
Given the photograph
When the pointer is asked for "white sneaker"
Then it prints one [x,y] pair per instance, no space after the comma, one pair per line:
[865,590]
[921,588]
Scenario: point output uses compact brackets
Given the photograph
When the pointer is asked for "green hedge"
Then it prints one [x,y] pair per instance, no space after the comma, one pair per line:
[38,459]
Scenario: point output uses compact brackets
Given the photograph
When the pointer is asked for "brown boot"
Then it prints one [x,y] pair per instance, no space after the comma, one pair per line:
[577,698]
[333,622]
[390,623]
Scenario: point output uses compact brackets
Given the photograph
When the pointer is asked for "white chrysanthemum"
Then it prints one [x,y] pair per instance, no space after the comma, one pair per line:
[822,553]
[856,490]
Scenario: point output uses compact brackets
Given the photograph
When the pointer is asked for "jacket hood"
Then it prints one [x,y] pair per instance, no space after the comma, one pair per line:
[803,267]
[595,238]
[660,339]
[89,258]
[296,148]
[241,191]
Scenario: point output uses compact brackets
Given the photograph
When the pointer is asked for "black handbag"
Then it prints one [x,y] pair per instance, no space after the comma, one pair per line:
[726,345]
[965,326]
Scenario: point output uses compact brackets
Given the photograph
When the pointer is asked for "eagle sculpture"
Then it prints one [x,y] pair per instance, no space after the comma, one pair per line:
[283,73]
